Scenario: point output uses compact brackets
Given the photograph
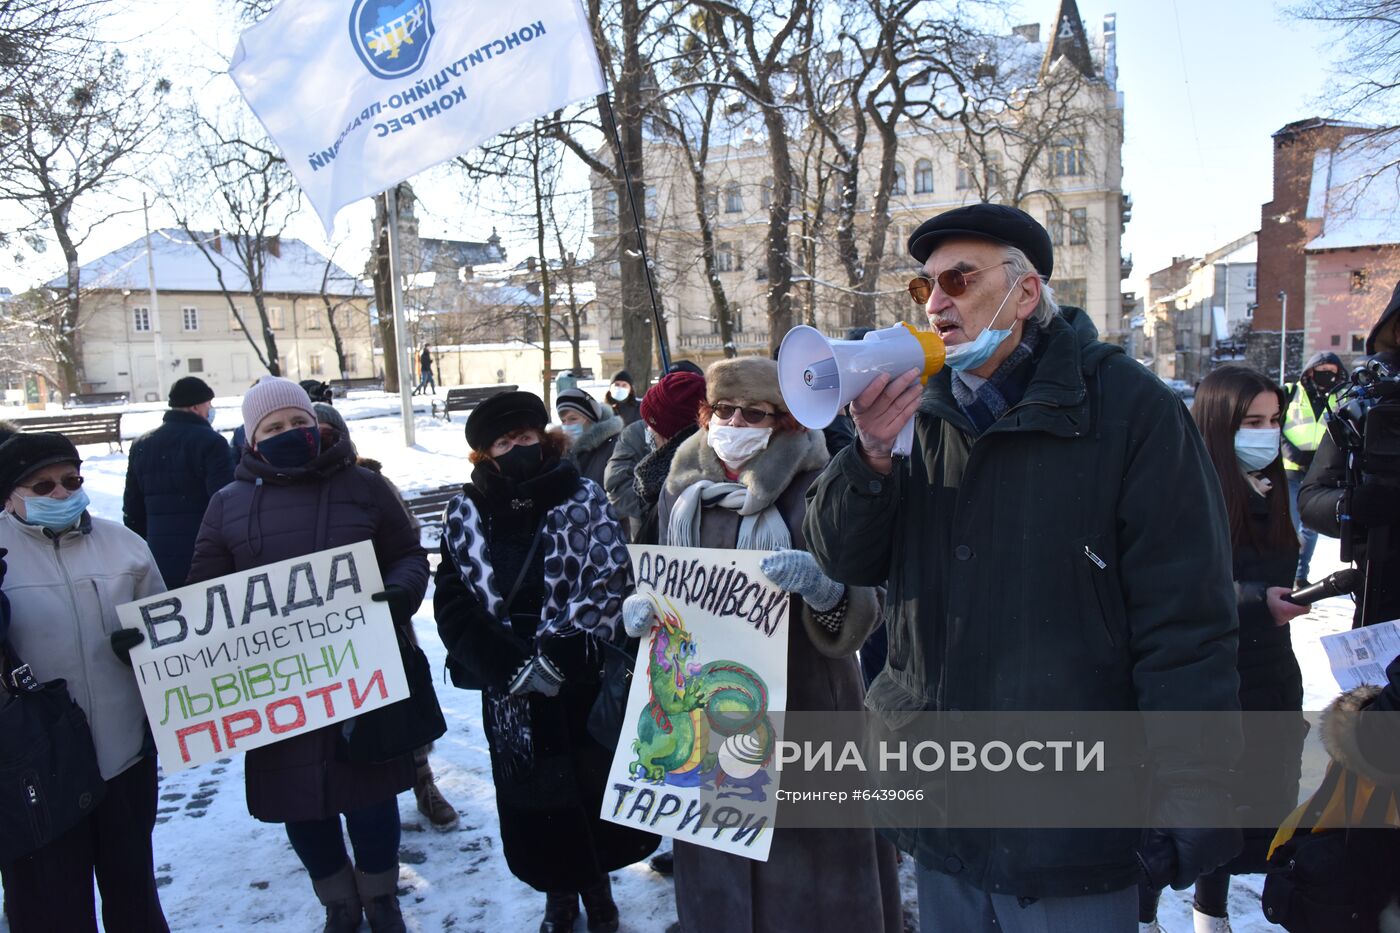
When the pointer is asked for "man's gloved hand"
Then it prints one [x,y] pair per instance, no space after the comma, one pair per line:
[797,572]
[537,675]
[400,603]
[1373,504]
[1169,855]
[639,615]
[123,640]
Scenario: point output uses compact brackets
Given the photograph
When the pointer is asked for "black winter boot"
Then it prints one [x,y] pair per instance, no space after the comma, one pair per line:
[602,911]
[560,912]
[379,892]
[341,900]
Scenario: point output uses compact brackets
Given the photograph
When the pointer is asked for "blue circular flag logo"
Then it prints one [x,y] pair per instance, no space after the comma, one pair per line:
[391,36]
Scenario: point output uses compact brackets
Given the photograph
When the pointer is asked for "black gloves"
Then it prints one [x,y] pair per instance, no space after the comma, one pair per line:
[1372,504]
[400,603]
[537,675]
[123,640]
[1170,855]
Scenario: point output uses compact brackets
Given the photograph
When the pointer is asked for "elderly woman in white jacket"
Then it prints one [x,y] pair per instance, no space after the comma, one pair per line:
[67,573]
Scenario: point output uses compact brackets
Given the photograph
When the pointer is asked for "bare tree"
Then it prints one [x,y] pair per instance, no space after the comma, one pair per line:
[756,42]
[379,273]
[1369,66]
[332,309]
[235,177]
[70,136]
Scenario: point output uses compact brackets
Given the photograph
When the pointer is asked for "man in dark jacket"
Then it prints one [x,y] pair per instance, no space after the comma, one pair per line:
[1372,506]
[1057,540]
[172,473]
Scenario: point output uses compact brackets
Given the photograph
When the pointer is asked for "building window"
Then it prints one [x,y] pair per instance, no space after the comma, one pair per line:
[1359,279]
[1071,292]
[899,187]
[724,258]
[313,319]
[1078,225]
[189,318]
[350,365]
[965,172]
[1251,279]
[1067,157]
[1336,340]
[141,319]
[733,201]
[610,207]
[711,203]
[1055,226]
[274,317]
[651,201]
[1358,342]
[313,364]
[765,194]
[195,364]
[233,324]
[923,177]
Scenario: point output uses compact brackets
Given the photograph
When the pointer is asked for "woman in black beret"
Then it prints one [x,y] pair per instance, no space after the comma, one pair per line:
[534,569]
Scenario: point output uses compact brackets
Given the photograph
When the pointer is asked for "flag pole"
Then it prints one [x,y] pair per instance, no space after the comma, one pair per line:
[656,316]
[391,200]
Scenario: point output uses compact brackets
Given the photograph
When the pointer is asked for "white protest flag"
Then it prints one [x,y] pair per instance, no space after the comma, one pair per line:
[360,95]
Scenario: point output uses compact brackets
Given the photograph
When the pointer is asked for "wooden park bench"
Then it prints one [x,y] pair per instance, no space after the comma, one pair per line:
[342,387]
[80,429]
[427,506]
[79,399]
[466,399]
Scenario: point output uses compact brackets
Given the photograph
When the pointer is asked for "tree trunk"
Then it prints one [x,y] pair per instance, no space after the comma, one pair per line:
[779,248]
[67,342]
[384,294]
[545,299]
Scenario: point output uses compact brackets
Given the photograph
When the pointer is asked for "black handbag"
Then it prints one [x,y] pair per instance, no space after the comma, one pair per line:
[392,731]
[49,779]
[610,707]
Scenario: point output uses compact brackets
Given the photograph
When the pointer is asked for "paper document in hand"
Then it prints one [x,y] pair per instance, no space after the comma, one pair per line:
[1361,655]
[361,95]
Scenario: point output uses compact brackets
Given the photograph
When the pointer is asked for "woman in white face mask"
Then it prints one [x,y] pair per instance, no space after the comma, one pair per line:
[1238,411]
[740,481]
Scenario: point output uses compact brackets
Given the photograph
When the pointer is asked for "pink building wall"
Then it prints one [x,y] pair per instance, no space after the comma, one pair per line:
[1347,289]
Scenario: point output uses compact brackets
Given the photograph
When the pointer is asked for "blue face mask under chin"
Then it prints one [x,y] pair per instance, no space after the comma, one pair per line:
[966,356]
[56,514]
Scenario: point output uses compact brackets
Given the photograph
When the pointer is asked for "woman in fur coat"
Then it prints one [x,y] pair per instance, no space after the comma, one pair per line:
[750,454]
[590,431]
[534,569]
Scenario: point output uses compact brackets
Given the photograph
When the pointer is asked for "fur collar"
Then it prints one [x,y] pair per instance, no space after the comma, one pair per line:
[767,476]
[597,435]
[1339,734]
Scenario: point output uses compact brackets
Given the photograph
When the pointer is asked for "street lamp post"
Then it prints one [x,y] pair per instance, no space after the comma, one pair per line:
[1282,334]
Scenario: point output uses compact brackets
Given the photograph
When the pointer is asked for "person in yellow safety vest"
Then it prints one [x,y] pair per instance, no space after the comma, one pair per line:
[1303,428]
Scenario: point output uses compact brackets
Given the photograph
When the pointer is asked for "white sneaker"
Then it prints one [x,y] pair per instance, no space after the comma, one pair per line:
[1153,927]
[1205,923]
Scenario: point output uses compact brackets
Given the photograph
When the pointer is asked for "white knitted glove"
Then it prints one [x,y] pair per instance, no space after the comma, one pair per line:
[639,615]
[536,675]
[797,572]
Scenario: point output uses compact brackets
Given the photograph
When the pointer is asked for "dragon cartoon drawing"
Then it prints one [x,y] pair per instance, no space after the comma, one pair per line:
[689,703]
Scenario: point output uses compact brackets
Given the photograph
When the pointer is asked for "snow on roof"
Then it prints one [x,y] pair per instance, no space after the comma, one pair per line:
[181,266]
[1355,190]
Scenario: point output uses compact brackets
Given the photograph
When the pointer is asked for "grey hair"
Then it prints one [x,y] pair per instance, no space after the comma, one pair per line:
[1019,266]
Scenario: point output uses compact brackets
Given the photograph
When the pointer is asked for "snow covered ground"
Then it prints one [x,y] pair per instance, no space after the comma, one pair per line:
[219,869]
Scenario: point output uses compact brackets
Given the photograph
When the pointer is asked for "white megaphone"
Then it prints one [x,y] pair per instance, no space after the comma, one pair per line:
[819,377]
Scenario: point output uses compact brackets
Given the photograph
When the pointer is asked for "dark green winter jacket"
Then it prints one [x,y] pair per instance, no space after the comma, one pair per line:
[1075,556]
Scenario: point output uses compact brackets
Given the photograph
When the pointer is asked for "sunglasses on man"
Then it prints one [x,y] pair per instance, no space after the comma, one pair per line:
[750,415]
[953,282]
[46,486]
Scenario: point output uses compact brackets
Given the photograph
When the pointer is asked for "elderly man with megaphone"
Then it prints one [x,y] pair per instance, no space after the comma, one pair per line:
[1053,539]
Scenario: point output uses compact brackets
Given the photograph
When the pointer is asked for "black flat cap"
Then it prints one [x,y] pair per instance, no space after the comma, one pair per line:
[1006,225]
[26,452]
[501,414]
[189,391]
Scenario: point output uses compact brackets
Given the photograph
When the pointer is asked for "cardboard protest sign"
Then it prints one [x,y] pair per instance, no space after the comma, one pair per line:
[252,658]
[695,760]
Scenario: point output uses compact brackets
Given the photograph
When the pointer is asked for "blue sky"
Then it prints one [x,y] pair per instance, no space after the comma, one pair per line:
[1205,83]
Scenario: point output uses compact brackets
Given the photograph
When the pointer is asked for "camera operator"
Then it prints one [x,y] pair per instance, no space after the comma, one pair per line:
[1371,501]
